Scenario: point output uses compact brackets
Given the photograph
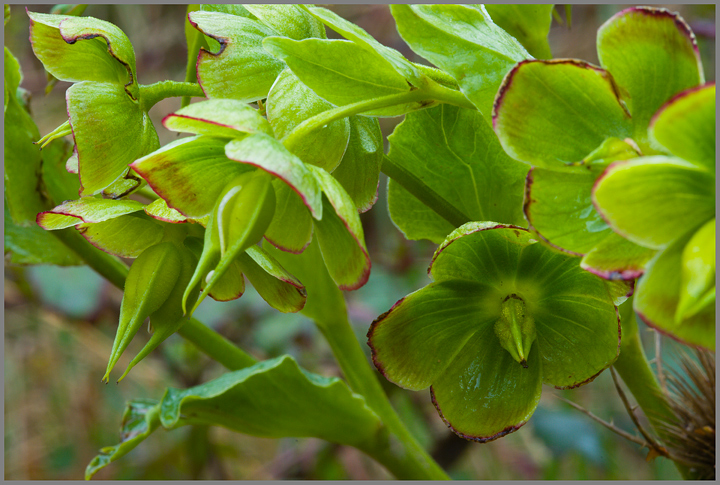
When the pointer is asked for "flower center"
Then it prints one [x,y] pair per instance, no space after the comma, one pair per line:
[515,328]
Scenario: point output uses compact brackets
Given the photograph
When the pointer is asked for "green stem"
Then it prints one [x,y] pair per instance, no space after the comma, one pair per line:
[204,338]
[151,94]
[638,376]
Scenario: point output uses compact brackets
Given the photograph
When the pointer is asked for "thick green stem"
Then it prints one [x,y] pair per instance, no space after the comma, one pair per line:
[151,94]
[207,340]
[636,373]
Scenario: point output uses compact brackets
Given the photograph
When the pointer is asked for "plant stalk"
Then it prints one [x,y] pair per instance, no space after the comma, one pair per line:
[151,94]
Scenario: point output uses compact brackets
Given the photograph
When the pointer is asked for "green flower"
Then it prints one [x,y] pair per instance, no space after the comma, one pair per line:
[503,315]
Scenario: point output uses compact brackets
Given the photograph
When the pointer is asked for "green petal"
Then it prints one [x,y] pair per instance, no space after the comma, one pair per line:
[653,55]
[288,20]
[126,236]
[456,154]
[653,200]
[697,289]
[103,52]
[658,293]
[110,131]
[276,286]
[242,69]
[616,258]
[685,125]
[484,394]
[218,117]
[292,226]
[422,333]
[290,103]
[551,114]
[341,71]
[190,173]
[158,209]
[464,41]
[340,235]
[86,209]
[529,24]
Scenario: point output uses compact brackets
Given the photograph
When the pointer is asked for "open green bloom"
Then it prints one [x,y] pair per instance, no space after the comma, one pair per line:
[503,315]
[668,203]
[109,125]
[570,120]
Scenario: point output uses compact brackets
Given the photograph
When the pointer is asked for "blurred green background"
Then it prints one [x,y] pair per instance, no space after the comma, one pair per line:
[60,324]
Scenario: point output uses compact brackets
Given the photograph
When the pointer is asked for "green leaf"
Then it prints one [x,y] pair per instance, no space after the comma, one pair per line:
[340,235]
[292,226]
[232,9]
[685,125]
[288,20]
[697,288]
[290,103]
[551,114]
[190,173]
[653,55]
[359,169]
[455,153]
[653,200]
[529,24]
[464,41]
[84,49]
[86,209]
[658,293]
[60,184]
[218,117]
[341,71]
[276,286]
[241,69]
[271,156]
[354,33]
[13,76]
[110,131]
[126,236]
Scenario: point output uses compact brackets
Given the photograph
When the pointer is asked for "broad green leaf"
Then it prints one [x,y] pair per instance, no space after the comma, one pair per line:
[86,209]
[273,399]
[686,125]
[60,184]
[32,245]
[276,286]
[653,55]
[653,200]
[241,69]
[341,71]
[271,156]
[190,173]
[616,258]
[359,169]
[126,236]
[140,419]
[486,395]
[288,20]
[529,24]
[291,227]
[227,118]
[354,33]
[290,103]
[456,154]
[84,49]
[340,235]
[110,131]
[233,9]
[415,219]
[658,293]
[697,288]
[158,209]
[464,41]
[551,114]
[13,76]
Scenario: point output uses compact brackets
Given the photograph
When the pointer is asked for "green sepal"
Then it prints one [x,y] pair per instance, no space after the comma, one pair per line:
[126,236]
[292,226]
[551,114]
[529,24]
[85,209]
[697,282]
[158,209]
[274,284]
[149,283]
[685,126]
[616,258]
[653,55]
[230,286]
[288,20]
[241,69]
[226,118]
[463,41]
[290,103]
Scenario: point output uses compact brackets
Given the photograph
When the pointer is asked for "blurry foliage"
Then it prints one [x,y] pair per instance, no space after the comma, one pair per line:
[59,325]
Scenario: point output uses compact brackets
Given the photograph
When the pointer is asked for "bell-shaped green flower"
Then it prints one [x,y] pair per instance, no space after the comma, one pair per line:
[570,120]
[503,315]
[667,203]
[109,124]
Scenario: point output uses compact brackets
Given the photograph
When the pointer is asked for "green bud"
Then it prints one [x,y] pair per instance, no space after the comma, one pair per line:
[515,329]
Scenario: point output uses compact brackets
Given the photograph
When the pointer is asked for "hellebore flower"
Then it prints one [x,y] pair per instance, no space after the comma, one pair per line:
[109,124]
[503,315]
[667,203]
[570,120]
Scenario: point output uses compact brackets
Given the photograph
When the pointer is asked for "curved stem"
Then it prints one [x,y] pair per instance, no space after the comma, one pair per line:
[151,94]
